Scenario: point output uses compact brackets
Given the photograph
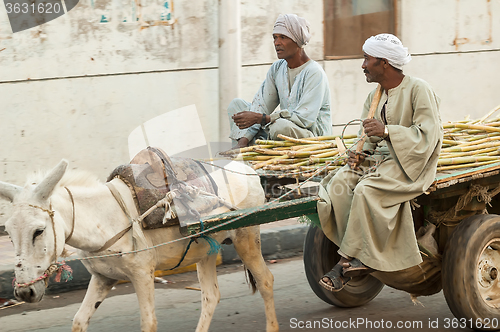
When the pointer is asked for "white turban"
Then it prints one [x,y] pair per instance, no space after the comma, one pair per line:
[294,27]
[388,47]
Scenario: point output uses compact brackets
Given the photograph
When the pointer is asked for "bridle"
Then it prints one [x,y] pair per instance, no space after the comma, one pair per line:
[59,266]
[55,266]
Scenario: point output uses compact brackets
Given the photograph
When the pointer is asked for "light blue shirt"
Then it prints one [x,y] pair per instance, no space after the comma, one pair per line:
[307,103]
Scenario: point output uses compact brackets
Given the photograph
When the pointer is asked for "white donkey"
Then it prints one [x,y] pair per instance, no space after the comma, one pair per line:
[75,208]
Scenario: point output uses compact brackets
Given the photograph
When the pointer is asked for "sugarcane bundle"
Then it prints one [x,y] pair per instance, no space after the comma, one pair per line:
[297,157]
[470,143]
[466,144]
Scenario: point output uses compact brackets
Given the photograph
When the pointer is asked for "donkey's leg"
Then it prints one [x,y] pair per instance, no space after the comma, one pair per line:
[210,294]
[247,245]
[97,291]
[143,282]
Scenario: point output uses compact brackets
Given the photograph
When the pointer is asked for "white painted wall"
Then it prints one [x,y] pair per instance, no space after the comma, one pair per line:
[75,88]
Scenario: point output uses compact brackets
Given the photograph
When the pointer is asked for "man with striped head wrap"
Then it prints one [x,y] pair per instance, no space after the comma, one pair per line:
[364,207]
[295,82]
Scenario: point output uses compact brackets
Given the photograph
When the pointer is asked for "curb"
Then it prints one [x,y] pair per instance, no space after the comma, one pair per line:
[277,243]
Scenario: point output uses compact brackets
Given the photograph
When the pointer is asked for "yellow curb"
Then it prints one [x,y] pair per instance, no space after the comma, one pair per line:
[189,268]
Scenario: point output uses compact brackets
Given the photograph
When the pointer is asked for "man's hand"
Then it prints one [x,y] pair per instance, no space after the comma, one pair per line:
[373,127]
[355,159]
[246,119]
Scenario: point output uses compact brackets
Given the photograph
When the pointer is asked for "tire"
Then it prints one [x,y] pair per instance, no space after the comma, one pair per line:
[320,255]
[471,261]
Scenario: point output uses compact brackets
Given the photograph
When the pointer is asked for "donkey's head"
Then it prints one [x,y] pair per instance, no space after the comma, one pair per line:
[33,232]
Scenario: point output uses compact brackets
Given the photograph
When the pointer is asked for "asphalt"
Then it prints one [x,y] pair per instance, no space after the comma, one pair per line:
[280,239]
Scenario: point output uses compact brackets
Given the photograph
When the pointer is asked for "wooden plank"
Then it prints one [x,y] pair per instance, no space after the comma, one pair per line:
[266,213]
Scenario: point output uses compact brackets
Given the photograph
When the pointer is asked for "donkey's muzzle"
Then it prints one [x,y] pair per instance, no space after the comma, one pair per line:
[30,294]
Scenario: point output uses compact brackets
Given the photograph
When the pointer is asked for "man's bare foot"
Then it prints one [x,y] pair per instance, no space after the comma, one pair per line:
[344,262]
[242,143]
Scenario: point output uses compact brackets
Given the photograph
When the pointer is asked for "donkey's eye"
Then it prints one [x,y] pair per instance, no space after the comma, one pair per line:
[37,233]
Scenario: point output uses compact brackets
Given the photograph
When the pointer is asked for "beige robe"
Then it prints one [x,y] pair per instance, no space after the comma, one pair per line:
[367,213]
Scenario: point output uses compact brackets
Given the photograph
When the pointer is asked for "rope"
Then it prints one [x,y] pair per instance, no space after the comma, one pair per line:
[184,255]
[214,246]
[63,270]
[73,215]
[450,216]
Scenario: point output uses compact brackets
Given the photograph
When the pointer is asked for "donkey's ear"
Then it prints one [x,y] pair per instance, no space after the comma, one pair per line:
[45,188]
[8,191]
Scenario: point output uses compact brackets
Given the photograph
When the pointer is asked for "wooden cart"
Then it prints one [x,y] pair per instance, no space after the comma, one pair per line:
[468,243]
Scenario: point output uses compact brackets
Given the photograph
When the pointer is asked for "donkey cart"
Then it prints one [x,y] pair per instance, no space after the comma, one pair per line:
[457,224]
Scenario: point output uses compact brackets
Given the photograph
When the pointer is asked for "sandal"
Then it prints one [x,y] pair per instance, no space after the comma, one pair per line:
[356,269]
[337,279]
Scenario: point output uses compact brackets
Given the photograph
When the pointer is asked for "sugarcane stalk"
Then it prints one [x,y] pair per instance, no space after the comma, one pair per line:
[490,113]
[273,143]
[450,142]
[477,127]
[270,152]
[475,143]
[313,147]
[470,147]
[324,154]
[298,140]
[269,162]
[479,137]
[257,158]
[331,138]
[470,153]
[300,153]
[465,160]
[450,167]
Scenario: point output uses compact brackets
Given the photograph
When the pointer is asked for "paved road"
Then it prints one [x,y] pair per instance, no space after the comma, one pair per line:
[178,308]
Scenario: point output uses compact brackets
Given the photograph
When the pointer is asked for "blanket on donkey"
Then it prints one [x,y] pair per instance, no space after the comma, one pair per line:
[148,186]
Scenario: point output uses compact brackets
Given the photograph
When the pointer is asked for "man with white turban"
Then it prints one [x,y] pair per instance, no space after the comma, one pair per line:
[295,82]
[364,207]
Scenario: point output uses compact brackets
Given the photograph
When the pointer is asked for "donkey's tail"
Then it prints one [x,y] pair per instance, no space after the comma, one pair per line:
[250,279]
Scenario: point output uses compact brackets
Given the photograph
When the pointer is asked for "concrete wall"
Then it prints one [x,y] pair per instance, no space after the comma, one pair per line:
[77,86]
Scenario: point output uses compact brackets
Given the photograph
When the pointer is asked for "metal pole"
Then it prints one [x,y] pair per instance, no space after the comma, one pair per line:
[229,60]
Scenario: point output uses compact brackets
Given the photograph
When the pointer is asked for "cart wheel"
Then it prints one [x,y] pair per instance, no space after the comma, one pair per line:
[471,262]
[320,255]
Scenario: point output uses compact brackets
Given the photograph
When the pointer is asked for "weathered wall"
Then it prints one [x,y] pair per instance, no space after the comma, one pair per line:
[77,86]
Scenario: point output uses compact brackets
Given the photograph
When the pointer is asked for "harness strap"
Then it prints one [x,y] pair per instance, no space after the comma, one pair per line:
[168,168]
[114,239]
[73,205]
[212,181]
[120,201]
